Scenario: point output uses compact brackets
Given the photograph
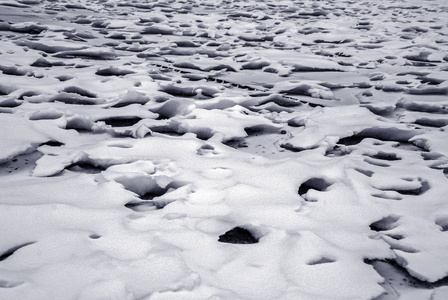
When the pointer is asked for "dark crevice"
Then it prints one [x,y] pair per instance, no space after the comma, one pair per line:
[12,250]
[52,144]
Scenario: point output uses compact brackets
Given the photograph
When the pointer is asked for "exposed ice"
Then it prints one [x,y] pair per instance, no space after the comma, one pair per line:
[223,149]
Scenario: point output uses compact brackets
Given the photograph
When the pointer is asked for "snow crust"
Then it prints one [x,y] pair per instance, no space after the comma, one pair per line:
[205,149]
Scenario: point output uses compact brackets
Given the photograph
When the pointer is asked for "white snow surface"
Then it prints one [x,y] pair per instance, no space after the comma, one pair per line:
[137,136]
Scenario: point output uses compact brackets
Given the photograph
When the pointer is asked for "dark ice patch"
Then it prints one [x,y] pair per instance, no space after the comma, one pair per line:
[318,184]
[238,235]
[385,223]
[113,71]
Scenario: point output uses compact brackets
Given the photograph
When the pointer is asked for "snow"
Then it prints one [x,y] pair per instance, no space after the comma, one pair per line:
[223,149]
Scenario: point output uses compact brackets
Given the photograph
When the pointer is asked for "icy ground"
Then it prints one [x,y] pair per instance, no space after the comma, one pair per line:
[224,149]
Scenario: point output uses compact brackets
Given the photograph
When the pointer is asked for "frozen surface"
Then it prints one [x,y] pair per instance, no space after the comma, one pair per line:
[223,149]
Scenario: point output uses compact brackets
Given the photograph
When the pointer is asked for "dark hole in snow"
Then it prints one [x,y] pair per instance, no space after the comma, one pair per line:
[318,184]
[351,140]
[53,144]
[385,223]
[259,130]
[238,235]
[156,192]
[85,167]
[94,236]
[121,121]
[113,71]
[11,251]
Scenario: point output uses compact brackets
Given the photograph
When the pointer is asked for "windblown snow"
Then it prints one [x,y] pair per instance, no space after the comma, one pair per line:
[199,149]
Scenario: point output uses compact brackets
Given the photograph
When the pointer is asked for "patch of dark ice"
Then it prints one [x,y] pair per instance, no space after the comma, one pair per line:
[52,144]
[316,183]
[113,71]
[85,167]
[383,134]
[238,235]
[386,223]
[123,121]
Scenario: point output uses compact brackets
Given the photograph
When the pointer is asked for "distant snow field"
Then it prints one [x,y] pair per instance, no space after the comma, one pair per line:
[224,149]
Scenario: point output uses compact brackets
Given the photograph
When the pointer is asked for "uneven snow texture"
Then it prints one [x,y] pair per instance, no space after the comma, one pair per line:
[199,149]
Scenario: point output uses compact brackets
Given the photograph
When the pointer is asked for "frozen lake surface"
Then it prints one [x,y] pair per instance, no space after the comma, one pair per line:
[224,149]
